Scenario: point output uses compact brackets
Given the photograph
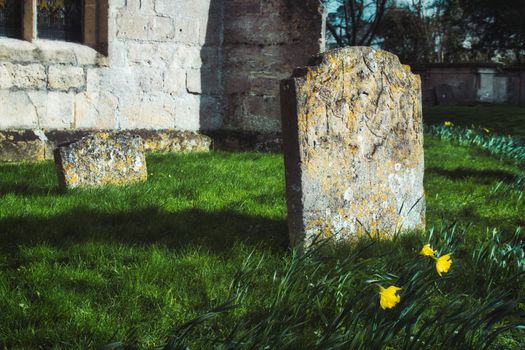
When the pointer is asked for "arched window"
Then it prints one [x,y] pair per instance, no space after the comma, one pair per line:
[11,18]
[60,20]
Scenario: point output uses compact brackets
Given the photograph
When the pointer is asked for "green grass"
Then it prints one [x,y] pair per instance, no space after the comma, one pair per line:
[504,120]
[459,185]
[89,267]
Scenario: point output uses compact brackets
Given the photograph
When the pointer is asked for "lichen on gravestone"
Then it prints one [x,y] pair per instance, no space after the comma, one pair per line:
[353,142]
[101,159]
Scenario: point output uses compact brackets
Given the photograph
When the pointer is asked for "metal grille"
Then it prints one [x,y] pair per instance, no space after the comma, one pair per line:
[60,20]
[11,18]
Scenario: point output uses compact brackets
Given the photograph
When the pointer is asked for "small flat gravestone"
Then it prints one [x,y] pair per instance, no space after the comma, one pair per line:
[353,143]
[101,159]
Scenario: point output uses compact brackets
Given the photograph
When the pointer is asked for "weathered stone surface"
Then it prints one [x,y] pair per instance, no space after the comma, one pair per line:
[66,77]
[22,145]
[54,109]
[17,111]
[30,77]
[235,141]
[173,141]
[101,159]
[6,76]
[265,41]
[49,51]
[353,140]
[29,145]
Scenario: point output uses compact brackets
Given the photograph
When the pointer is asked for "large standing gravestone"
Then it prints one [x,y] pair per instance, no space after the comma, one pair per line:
[101,159]
[353,140]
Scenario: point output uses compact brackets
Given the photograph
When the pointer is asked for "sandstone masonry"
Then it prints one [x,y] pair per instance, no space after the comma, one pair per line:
[353,136]
[201,65]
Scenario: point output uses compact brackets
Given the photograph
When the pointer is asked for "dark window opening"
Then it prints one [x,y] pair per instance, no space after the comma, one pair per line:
[11,18]
[60,20]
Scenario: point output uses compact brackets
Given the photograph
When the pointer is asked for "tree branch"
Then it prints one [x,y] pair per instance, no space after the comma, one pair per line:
[333,31]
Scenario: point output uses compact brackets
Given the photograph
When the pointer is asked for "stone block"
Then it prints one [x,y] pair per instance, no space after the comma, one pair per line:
[101,159]
[6,75]
[95,111]
[199,8]
[29,77]
[188,30]
[211,56]
[134,27]
[265,85]
[203,81]
[17,111]
[264,113]
[37,145]
[150,111]
[162,29]
[16,50]
[21,146]
[185,56]
[187,112]
[236,83]
[211,113]
[152,54]
[237,8]
[56,52]
[54,109]
[64,78]
[210,31]
[85,55]
[270,30]
[353,141]
[49,51]
[173,141]
[194,81]
[150,79]
[175,82]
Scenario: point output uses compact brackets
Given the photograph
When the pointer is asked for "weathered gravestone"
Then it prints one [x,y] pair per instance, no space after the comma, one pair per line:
[101,159]
[353,141]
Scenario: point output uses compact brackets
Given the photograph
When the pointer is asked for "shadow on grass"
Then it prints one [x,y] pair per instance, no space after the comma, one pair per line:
[217,231]
[469,216]
[28,179]
[482,176]
[27,190]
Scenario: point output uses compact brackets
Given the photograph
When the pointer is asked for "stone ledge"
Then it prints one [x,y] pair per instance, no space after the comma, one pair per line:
[50,52]
[234,140]
[37,145]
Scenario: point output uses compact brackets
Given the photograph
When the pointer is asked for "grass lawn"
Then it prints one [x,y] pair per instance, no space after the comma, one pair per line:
[89,267]
[504,120]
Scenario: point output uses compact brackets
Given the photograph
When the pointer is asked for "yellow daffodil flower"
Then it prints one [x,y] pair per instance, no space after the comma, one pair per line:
[427,250]
[443,264]
[388,297]
[448,124]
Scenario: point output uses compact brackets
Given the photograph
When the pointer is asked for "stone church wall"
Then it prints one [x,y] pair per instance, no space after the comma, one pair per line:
[199,65]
